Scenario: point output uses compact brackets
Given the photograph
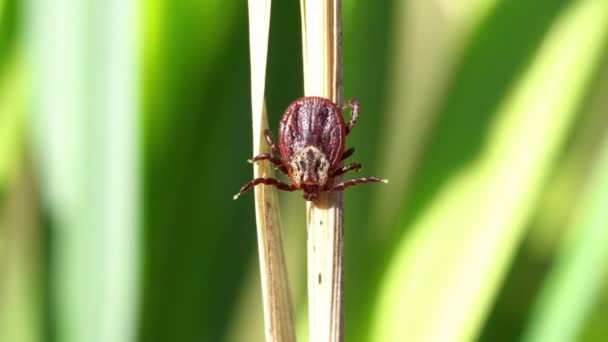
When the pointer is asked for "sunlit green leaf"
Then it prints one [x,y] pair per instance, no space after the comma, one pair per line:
[84,118]
[447,269]
[575,280]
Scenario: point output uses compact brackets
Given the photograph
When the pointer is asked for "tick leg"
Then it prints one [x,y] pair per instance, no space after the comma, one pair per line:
[354,105]
[346,168]
[268,181]
[351,182]
[267,156]
[270,140]
[348,153]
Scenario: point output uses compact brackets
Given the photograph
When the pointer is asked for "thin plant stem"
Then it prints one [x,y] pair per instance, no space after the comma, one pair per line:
[278,309]
[321,30]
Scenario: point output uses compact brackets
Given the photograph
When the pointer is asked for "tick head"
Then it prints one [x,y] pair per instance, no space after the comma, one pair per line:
[310,170]
[311,192]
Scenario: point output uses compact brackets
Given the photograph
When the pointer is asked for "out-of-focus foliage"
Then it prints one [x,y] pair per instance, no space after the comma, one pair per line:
[125,126]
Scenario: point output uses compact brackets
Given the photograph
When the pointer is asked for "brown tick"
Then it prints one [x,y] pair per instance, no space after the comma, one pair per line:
[311,144]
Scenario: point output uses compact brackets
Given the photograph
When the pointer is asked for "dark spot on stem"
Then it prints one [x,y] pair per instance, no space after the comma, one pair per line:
[319,278]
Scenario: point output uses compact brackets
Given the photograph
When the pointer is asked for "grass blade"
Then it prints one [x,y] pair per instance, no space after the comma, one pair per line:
[467,236]
[278,309]
[321,37]
[576,278]
[12,112]
[20,238]
[85,135]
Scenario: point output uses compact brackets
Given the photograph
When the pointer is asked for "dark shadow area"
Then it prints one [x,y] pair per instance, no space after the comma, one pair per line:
[47,269]
[516,298]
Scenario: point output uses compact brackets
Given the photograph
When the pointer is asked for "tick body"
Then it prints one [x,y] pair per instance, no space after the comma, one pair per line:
[312,137]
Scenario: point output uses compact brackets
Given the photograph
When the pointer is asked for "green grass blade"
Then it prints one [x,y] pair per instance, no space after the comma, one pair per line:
[576,278]
[12,122]
[85,135]
[20,286]
[448,267]
[196,73]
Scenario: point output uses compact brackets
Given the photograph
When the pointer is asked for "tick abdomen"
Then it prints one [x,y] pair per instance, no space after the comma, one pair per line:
[313,122]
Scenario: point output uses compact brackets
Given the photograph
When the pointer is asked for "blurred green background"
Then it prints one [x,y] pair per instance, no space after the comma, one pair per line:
[125,126]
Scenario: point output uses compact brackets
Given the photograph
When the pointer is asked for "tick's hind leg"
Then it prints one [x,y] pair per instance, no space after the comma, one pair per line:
[346,168]
[354,105]
[268,181]
[270,139]
[267,156]
[351,182]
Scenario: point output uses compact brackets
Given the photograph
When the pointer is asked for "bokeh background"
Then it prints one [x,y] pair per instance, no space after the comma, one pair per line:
[125,127]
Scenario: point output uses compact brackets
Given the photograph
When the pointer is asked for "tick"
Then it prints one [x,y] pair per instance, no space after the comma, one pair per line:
[312,136]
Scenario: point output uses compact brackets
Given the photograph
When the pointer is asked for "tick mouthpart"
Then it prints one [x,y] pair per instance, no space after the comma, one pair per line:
[310,191]
[385,181]
[309,181]
[236,196]
[310,196]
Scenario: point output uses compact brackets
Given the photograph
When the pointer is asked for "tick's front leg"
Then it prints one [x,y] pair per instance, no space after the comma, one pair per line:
[268,181]
[351,182]
[270,139]
[348,153]
[267,156]
[354,105]
[350,167]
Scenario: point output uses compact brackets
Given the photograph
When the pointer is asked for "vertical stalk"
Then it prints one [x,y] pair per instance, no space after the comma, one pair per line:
[278,310]
[321,30]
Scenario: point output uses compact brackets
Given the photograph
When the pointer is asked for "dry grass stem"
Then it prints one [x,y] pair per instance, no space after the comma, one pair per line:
[321,38]
[278,309]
